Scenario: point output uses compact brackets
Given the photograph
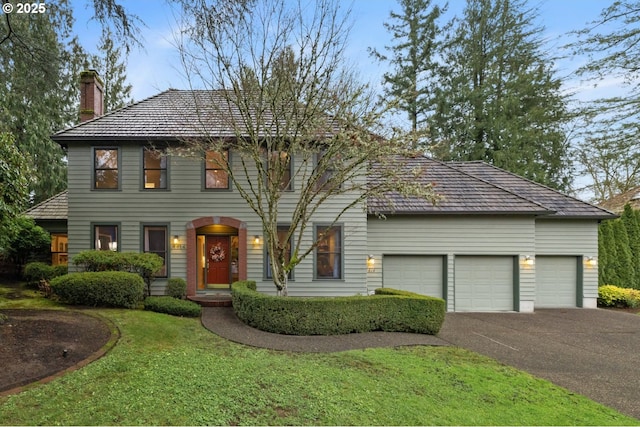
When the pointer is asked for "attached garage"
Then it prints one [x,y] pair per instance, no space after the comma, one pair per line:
[422,274]
[556,281]
[484,283]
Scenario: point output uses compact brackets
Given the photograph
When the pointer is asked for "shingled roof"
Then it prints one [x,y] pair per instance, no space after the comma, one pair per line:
[616,203]
[460,193]
[479,188]
[54,208]
[172,115]
[564,206]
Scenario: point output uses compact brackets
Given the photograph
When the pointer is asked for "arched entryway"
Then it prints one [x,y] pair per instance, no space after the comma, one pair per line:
[218,238]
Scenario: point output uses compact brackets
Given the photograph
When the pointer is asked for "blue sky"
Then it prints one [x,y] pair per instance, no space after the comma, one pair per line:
[156,67]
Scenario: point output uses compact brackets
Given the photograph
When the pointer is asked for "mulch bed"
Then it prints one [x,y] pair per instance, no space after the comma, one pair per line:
[36,344]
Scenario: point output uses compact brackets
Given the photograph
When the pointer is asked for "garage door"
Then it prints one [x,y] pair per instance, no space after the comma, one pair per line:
[483,283]
[414,273]
[556,281]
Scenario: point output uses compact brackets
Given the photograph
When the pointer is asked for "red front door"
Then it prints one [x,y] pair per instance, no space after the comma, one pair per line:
[218,260]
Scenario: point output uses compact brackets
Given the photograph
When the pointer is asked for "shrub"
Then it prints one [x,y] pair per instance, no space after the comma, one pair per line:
[177,287]
[144,264]
[26,241]
[173,306]
[386,311]
[111,289]
[60,270]
[613,296]
[34,272]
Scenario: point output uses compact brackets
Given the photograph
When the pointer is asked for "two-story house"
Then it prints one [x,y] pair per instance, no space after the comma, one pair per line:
[495,242]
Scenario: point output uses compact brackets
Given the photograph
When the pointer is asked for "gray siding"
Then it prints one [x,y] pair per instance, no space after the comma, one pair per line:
[184,201]
[454,235]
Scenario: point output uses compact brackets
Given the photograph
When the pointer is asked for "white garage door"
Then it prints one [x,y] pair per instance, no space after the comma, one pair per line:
[556,281]
[414,273]
[483,283]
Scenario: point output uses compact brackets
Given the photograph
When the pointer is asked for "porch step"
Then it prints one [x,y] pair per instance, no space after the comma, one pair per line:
[217,300]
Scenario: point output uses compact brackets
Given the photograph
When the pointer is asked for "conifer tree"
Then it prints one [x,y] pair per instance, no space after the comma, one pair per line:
[111,66]
[498,99]
[415,33]
[632,227]
[623,263]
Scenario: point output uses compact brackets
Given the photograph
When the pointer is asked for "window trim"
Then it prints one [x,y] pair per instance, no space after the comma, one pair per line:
[106,224]
[315,251]
[288,188]
[205,169]
[167,259]
[266,264]
[145,169]
[319,184]
[94,169]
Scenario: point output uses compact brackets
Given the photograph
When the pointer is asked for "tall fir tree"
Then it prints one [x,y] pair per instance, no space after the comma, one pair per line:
[623,261]
[498,99]
[632,227]
[111,66]
[607,273]
[415,30]
[39,65]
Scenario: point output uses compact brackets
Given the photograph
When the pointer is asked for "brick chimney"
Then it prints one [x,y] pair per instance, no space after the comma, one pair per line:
[91,97]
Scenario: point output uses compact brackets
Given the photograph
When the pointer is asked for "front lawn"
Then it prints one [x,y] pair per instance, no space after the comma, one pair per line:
[169,370]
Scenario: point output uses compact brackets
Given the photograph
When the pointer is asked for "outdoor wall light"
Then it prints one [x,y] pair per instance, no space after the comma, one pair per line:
[371,263]
[591,261]
[176,239]
[528,260]
[256,240]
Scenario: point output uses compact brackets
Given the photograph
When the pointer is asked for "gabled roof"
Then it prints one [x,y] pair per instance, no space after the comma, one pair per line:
[616,203]
[54,208]
[564,206]
[172,115]
[461,193]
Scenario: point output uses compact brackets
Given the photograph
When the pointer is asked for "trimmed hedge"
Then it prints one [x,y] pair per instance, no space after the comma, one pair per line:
[613,296]
[388,310]
[177,288]
[108,288]
[34,272]
[173,306]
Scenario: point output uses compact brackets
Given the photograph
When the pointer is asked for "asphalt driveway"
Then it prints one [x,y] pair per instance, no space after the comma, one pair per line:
[593,352]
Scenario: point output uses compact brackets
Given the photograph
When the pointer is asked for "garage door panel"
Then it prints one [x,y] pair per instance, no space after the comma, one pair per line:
[556,281]
[483,283]
[421,274]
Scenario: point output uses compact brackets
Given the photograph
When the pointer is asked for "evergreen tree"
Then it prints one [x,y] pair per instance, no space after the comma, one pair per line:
[413,58]
[111,67]
[14,186]
[632,227]
[497,99]
[39,94]
[623,262]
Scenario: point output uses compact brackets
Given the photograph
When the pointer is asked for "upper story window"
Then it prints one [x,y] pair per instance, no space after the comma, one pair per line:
[154,169]
[329,169]
[329,252]
[105,169]
[279,164]
[215,175]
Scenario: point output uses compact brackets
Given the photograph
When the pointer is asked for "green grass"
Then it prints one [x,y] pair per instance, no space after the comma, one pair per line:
[171,371]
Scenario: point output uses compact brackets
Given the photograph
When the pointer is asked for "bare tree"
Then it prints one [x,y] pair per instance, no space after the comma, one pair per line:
[282,100]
